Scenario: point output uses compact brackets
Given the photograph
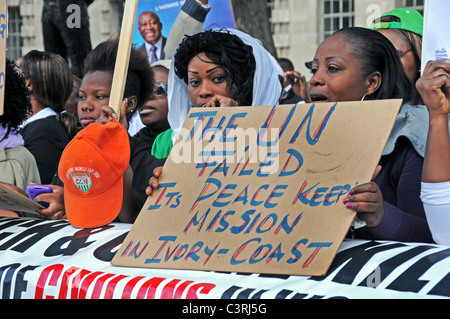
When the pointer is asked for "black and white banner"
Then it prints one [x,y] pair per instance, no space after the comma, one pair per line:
[54,260]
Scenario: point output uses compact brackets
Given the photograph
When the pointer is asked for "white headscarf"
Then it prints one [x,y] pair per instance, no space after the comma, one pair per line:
[266,83]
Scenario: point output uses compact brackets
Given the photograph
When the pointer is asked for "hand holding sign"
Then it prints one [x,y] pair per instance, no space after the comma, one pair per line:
[367,201]
[11,198]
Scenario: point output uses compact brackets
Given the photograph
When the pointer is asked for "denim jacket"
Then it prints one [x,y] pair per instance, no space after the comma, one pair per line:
[412,122]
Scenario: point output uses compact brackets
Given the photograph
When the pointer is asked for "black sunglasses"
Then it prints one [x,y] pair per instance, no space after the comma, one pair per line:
[160,89]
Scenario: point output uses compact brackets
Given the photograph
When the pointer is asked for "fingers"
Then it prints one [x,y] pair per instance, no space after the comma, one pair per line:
[362,197]
[154,181]
[434,86]
[367,201]
[432,66]
[294,76]
[299,84]
[220,101]
[56,209]
[436,76]
[123,113]
[157,171]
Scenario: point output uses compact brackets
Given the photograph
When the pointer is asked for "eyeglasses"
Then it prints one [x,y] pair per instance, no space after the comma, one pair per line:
[160,89]
[401,54]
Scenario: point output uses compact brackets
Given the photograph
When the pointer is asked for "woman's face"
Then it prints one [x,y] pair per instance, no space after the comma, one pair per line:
[94,93]
[154,111]
[205,80]
[404,51]
[337,75]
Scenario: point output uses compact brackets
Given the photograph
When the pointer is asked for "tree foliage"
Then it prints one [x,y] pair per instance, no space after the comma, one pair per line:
[252,17]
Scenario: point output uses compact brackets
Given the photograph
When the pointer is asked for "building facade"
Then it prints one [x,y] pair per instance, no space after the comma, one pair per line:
[298,25]
[25,29]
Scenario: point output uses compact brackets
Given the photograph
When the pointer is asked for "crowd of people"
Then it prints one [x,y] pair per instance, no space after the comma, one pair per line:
[407,199]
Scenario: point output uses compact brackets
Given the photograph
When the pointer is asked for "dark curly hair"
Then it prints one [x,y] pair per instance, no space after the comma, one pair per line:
[17,104]
[140,79]
[228,51]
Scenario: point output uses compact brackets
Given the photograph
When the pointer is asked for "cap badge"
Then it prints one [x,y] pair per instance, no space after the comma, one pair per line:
[82,181]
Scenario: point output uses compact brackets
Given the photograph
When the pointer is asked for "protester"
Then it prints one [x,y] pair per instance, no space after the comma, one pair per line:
[434,88]
[153,114]
[17,165]
[50,84]
[95,88]
[94,97]
[355,64]
[215,68]
[404,28]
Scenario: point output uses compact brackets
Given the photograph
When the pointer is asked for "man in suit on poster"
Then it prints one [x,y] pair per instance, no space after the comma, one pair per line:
[150,28]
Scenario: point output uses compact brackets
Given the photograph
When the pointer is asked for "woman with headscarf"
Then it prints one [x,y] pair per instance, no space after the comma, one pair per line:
[214,68]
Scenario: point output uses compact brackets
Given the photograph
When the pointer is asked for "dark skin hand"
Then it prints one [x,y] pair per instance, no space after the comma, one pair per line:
[154,181]
[367,201]
[56,210]
[434,86]
[299,84]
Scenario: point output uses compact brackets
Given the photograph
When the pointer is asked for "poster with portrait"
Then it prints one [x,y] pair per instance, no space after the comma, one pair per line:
[220,15]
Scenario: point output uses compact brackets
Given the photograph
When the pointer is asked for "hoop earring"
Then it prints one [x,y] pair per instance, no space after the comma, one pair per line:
[364,97]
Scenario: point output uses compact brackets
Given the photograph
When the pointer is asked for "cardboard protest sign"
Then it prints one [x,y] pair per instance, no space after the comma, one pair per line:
[436,43]
[260,189]
[3,38]
[10,200]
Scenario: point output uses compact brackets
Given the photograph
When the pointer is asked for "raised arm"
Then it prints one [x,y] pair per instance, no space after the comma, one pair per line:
[434,87]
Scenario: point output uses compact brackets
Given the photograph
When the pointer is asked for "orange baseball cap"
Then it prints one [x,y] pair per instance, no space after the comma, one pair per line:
[92,167]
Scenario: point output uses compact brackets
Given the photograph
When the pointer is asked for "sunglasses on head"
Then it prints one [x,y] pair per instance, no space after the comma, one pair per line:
[160,89]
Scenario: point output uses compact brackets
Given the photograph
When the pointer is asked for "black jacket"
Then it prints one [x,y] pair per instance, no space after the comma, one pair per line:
[46,139]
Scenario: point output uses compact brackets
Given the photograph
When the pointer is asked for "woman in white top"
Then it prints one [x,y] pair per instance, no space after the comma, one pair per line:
[434,86]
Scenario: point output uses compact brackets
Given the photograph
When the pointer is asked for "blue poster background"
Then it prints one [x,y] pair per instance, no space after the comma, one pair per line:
[221,15]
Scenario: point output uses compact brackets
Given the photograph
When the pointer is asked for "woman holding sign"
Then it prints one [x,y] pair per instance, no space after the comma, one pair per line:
[356,64]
